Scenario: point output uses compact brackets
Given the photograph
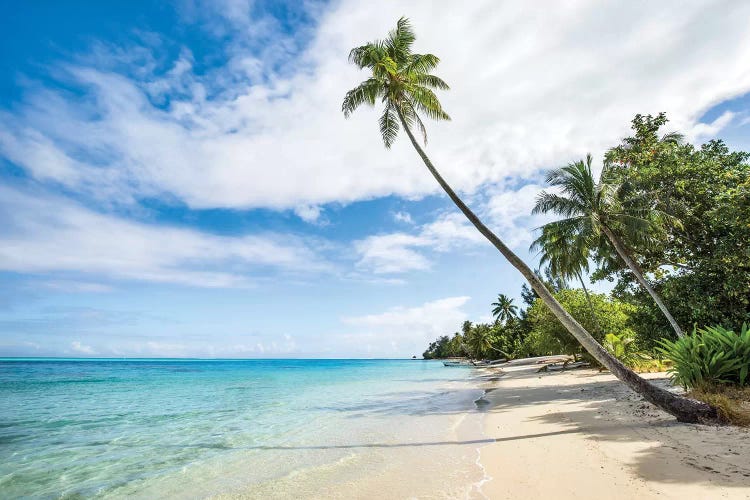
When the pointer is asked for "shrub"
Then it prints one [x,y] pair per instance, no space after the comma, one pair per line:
[711,356]
[549,336]
[624,348]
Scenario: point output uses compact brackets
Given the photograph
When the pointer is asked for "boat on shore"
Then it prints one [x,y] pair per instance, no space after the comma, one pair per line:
[473,363]
[461,362]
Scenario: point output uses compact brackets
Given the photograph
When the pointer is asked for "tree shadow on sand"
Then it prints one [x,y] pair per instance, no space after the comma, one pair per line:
[611,413]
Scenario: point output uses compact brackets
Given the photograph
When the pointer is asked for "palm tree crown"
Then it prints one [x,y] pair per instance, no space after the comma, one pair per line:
[598,215]
[504,309]
[566,255]
[400,79]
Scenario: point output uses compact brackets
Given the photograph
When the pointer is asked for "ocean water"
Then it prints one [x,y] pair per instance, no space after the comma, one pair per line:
[238,428]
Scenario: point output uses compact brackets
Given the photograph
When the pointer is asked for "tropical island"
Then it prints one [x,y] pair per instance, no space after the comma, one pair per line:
[218,275]
[660,206]
[665,221]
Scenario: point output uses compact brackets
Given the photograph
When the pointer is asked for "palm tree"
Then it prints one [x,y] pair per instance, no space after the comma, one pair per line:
[566,257]
[480,340]
[401,80]
[592,209]
[504,310]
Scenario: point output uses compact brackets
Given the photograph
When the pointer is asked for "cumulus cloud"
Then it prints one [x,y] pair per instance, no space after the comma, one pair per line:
[403,331]
[49,234]
[506,211]
[309,213]
[534,85]
[401,252]
[509,214]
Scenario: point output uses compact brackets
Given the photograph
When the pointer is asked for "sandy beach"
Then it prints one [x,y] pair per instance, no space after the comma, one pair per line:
[582,434]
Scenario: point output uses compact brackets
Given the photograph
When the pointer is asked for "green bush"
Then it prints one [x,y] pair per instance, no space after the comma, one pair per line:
[712,356]
[549,336]
[624,348]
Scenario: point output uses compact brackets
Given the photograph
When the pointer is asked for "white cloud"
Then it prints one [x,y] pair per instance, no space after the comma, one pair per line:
[78,347]
[506,211]
[509,214]
[309,213]
[403,331]
[392,253]
[404,217]
[401,252]
[41,234]
[534,85]
[703,130]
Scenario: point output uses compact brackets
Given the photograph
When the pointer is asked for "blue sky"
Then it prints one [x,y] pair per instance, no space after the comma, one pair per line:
[177,179]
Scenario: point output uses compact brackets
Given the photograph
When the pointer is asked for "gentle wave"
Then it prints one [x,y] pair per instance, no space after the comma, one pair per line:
[197,428]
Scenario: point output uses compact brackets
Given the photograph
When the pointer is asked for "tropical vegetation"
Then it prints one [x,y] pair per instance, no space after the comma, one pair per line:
[626,222]
[711,356]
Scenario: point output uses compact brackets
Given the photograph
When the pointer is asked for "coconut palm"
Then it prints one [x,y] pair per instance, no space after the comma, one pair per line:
[401,80]
[592,209]
[566,256]
[480,340]
[504,310]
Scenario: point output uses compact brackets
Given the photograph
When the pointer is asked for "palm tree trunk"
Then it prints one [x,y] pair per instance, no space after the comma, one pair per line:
[591,305]
[684,409]
[635,268]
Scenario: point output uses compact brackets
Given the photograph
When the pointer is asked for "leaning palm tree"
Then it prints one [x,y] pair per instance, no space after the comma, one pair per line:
[504,310]
[592,209]
[566,256]
[401,80]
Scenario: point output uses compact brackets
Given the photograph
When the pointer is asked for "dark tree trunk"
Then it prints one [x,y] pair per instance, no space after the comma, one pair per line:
[684,409]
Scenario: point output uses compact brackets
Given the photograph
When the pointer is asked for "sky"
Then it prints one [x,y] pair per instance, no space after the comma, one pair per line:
[177,178]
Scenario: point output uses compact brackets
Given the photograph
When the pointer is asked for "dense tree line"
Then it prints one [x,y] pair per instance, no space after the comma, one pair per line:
[692,203]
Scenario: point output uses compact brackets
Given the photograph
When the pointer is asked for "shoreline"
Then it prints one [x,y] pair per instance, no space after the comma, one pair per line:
[583,434]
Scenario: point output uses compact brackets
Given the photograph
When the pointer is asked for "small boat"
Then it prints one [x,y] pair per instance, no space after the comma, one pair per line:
[456,363]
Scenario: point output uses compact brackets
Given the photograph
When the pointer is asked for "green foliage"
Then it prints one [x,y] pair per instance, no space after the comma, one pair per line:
[445,347]
[701,266]
[711,356]
[548,336]
[480,341]
[503,310]
[624,348]
[603,217]
[400,79]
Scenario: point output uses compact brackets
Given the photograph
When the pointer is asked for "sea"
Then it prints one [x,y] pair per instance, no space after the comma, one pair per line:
[257,428]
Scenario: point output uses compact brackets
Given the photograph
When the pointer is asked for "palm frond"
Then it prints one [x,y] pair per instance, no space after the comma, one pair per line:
[367,55]
[389,125]
[365,92]
[426,101]
[551,202]
[430,81]
[422,63]
[400,40]
[412,119]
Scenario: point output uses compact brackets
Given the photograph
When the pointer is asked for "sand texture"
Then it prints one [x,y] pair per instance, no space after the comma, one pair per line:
[582,434]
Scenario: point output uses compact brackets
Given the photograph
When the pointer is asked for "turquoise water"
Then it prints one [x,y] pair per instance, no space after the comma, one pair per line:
[196,428]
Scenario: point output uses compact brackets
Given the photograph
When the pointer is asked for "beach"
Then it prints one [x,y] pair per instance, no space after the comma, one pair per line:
[582,434]
[247,429]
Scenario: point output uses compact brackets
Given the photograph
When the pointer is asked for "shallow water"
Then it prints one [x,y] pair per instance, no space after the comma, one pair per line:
[255,428]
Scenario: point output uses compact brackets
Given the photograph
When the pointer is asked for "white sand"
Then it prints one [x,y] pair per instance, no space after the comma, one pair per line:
[581,434]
